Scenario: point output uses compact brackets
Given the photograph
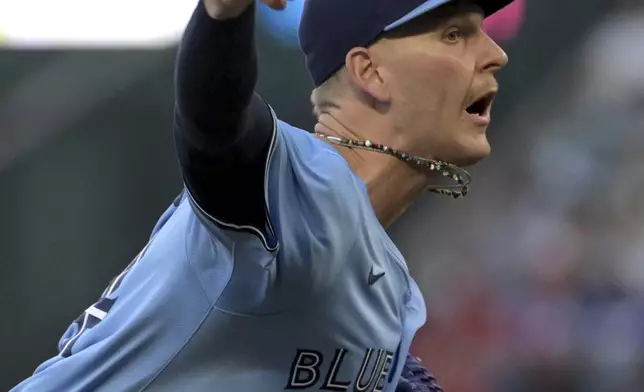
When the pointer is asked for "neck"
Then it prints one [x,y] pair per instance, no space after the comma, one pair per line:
[393,185]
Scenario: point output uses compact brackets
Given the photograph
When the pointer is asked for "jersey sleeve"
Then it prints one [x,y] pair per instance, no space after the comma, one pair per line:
[235,192]
[222,129]
[313,204]
[308,196]
[274,203]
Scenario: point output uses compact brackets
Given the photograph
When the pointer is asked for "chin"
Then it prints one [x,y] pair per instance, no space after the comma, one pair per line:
[472,153]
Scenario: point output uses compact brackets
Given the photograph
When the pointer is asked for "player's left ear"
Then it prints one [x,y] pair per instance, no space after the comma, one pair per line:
[365,74]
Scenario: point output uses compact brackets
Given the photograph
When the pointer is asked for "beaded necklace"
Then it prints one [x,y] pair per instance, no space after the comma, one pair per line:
[447,170]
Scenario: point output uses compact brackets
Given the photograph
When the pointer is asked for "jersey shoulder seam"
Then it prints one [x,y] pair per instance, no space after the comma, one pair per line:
[206,315]
[173,356]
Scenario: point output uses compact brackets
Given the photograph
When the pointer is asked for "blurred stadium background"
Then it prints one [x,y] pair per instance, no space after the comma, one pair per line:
[535,282]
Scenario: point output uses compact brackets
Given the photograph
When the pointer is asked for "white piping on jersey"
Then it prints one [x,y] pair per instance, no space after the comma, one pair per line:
[78,333]
[116,282]
[252,229]
[96,312]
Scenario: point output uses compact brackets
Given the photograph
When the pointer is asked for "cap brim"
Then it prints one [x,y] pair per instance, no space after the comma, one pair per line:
[489,7]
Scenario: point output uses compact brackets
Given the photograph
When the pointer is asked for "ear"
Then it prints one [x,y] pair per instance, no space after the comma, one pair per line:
[365,74]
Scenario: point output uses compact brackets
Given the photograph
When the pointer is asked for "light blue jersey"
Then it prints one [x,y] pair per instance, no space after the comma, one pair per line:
[319,300]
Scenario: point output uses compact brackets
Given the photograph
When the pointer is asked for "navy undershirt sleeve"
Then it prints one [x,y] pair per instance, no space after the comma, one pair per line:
[222,128]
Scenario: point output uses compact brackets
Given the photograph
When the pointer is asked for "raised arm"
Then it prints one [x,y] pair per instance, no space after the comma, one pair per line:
[222,128]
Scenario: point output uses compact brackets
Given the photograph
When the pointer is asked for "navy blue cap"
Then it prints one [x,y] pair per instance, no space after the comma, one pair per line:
[329,29]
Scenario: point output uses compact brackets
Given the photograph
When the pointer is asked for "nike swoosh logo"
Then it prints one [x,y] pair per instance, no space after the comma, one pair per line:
[373,278]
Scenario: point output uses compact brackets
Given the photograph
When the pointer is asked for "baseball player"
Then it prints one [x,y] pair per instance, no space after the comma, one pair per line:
[272,270]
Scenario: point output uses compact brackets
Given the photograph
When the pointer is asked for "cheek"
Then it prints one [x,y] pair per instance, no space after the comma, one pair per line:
[428,94]
[436,84]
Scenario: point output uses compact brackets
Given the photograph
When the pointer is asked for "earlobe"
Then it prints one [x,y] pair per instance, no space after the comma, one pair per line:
[365,74]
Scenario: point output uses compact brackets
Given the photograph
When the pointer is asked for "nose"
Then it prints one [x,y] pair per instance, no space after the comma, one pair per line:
[493,58]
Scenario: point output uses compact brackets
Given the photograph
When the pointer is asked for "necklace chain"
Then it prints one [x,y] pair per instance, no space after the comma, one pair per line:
[459,175]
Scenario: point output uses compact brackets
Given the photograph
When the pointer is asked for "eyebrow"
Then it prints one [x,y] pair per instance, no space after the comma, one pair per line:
[470,17]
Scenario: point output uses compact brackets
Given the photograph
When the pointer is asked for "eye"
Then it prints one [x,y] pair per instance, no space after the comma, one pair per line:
[454,35]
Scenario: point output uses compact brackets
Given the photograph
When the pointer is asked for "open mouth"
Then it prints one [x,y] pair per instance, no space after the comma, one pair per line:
[481,107]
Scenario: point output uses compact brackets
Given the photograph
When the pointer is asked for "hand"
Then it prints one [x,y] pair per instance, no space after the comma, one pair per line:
[228,9]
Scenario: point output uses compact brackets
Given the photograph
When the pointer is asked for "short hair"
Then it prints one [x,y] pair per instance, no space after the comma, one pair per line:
[325,96]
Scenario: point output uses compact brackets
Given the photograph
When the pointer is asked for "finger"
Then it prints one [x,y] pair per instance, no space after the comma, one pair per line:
[275,4]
